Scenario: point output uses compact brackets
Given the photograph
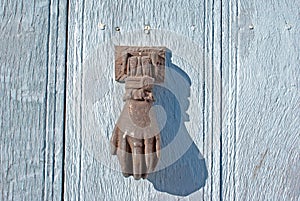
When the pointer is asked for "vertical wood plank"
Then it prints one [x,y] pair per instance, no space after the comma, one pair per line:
[213,99]
[73,99]
[268,121]
[56,77]
[173,24]
[235,37]
[229,44]
[31,95]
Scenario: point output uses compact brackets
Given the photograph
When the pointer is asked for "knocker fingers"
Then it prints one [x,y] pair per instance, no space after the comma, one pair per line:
[157,138]
[124,153]
[114,141]
[138,160]
[151,157]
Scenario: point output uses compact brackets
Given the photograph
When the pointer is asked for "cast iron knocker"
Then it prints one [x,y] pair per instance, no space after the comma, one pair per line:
[136,136]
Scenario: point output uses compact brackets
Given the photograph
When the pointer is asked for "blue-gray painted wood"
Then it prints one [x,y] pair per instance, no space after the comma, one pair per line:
[234,69]
[32,57]
[267,101]
[225,31]
[92,173]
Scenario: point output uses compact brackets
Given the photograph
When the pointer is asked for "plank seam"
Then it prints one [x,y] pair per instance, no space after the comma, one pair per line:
[204,84]
[235,49]
[236,91]
[44,193]
[221,101]
[54,101]
[65,103]
[81,89]
[212,96]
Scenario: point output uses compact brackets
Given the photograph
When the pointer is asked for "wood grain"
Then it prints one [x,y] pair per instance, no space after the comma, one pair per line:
[242,58]
[91,173]
[32,99]
[234,71]
[267,103]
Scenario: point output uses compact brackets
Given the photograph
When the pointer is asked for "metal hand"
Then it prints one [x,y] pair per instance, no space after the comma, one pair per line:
[136,139]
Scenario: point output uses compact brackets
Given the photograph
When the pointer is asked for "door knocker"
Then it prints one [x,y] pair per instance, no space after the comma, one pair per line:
[136,136]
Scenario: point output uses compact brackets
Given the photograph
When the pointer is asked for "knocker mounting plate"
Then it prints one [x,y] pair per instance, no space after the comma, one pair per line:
[152,62]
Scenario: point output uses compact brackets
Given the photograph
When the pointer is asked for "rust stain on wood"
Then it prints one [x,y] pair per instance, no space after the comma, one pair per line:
[257,167]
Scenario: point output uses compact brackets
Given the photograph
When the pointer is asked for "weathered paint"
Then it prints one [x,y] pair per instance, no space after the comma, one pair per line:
[267,101]
[242,60]
[32,57]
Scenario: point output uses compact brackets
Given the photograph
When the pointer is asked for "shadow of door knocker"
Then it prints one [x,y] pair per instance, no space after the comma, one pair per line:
[136,136]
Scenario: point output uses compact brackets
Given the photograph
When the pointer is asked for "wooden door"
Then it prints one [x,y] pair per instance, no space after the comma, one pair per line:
[230,100]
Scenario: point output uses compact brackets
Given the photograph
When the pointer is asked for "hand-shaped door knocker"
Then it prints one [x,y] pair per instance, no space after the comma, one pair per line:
[136,136]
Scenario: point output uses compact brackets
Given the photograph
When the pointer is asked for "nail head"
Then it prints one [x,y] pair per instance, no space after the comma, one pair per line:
[102,26]
[147,29]
[193,27]
[251,26]
[288,26]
